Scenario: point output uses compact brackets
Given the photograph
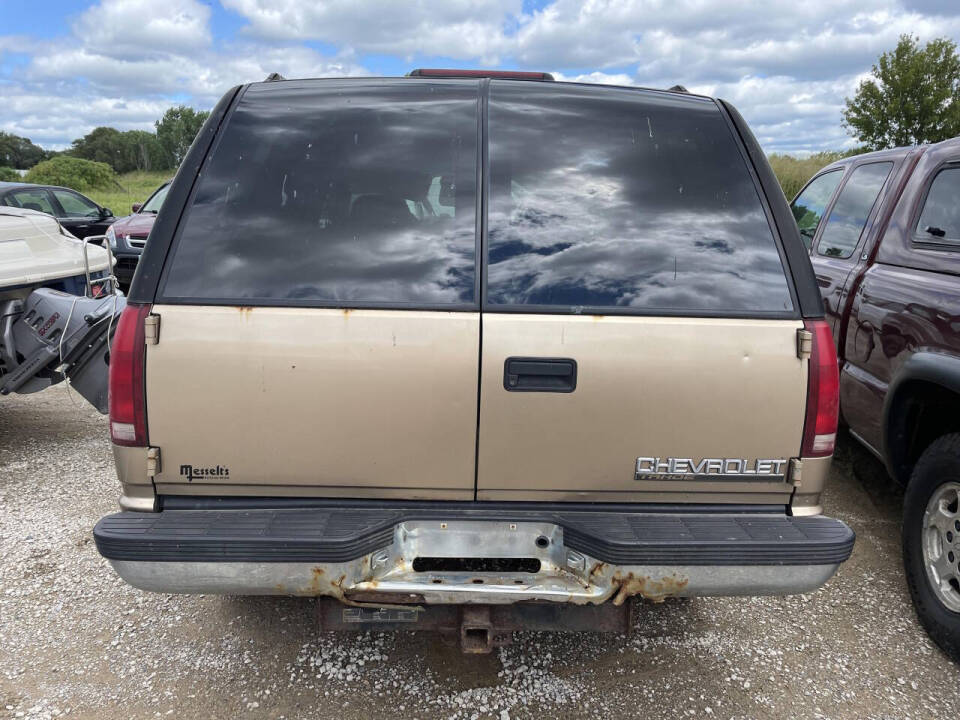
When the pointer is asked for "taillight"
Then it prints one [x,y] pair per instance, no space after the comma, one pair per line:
[128,408]
[823,393]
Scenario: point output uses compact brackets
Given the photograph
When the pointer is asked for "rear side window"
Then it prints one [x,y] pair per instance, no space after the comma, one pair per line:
[38,200]
[940,218]
[850,213]
[623,199]
[809,206]
[336,194]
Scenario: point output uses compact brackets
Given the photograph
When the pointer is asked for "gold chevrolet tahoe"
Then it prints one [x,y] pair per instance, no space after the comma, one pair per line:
[473,351]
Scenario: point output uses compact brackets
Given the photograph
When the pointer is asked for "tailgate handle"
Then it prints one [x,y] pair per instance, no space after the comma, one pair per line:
[527,374]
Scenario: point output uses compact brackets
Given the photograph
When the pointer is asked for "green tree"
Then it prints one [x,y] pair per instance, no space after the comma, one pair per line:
[177,129]
[123,151]
[8,174]
[102,145]
[144,151]
[72,172]
[913,96]
[19,152]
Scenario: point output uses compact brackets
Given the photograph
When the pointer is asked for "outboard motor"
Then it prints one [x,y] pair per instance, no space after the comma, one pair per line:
[53,335]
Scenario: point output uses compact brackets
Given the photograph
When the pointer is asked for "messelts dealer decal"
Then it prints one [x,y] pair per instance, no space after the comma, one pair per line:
[733,469]
[192,472]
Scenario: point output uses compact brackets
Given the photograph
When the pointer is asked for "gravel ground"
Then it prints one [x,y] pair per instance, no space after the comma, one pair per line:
[77,642]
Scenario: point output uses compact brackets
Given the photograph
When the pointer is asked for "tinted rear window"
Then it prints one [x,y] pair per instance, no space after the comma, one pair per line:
[850,213]
[940,220]
[337,193]
[623,199]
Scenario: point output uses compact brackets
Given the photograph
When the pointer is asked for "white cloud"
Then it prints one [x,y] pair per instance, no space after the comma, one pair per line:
[127,61]
[787,65]
[597,78]
[144,27]
[52,120]
[450,28]
[815,38]
[788,115]
[204,75]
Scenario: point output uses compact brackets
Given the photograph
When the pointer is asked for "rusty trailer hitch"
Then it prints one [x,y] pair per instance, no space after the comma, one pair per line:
[478,629]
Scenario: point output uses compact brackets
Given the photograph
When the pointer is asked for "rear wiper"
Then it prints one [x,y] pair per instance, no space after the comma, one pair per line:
[935,231]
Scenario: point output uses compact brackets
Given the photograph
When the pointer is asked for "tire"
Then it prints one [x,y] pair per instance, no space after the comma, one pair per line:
[936,475]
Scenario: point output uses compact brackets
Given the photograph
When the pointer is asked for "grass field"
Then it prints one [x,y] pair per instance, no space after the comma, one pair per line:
[793,172]
[131,188]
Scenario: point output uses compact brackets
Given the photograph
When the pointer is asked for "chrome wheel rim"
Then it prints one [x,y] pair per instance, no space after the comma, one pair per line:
[941,544]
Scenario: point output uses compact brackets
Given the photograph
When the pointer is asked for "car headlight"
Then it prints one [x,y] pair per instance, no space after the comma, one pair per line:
[111,237]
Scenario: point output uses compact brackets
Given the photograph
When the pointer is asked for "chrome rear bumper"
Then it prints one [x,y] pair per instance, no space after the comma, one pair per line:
[554,571]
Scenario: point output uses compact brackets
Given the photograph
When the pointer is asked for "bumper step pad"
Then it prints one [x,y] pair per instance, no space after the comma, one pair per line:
[340,534]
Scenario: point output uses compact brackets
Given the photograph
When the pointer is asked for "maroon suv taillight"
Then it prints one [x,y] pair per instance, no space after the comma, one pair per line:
[823,393]
[128,407]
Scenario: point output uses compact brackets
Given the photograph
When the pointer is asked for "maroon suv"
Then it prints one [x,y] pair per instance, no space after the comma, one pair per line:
[128,235]
[883,231]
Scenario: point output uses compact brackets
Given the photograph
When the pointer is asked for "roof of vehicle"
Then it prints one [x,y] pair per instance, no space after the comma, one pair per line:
[503,74]
[454,75]
[8,185]
[896,153]
[876,155]
[34,248]
[947,144]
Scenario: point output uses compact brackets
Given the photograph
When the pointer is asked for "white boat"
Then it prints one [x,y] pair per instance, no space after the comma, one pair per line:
[58,306]
[35,251]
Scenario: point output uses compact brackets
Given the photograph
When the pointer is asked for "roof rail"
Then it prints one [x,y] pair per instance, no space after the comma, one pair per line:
[503,74]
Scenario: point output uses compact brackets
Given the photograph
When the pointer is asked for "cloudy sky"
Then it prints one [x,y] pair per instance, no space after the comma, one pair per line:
[787,64]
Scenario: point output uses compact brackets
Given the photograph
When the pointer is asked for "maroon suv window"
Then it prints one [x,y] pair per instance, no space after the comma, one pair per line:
[850,212]
[940,218]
